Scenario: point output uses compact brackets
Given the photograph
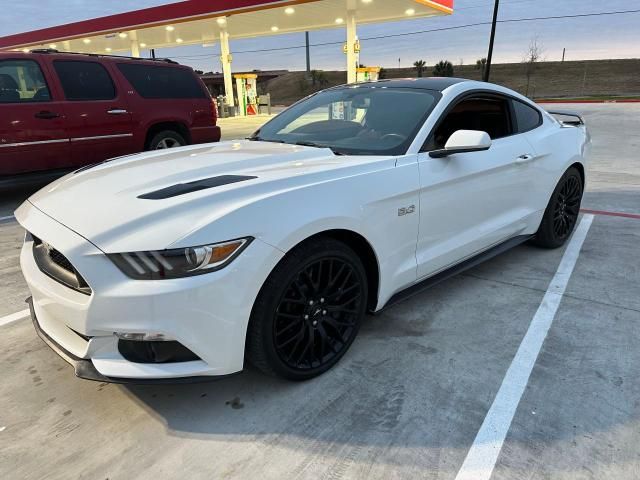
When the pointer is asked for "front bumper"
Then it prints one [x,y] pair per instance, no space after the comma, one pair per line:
[83,367]
[207,314]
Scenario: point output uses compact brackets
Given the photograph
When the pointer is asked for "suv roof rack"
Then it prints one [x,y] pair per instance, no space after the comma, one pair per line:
[53,50]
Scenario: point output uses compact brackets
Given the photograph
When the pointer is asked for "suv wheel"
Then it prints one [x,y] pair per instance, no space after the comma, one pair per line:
[166,139]
[309,311]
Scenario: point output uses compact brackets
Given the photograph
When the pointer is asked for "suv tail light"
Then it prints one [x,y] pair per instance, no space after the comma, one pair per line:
[214,110]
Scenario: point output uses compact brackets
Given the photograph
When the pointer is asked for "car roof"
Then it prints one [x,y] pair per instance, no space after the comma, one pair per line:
[82,55]
[430,83]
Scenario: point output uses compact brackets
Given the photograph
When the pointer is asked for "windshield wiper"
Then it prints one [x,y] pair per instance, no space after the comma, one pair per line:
[260,139]
[317,145]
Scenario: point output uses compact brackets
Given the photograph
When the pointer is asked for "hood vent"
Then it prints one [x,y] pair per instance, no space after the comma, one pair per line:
[182,188]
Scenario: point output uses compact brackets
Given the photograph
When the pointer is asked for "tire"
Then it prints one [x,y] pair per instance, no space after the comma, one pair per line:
[309,311]
[166,139]
[561,215]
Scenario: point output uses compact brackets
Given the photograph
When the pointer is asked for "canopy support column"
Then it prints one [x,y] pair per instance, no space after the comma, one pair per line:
[352,56]
[225,59]
[135,45]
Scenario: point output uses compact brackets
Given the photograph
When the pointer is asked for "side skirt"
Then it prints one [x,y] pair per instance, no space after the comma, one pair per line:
[454,270]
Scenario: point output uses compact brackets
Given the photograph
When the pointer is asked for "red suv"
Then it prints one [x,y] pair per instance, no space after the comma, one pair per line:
[62,110]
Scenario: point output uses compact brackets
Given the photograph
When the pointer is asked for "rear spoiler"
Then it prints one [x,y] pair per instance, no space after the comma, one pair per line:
[574,119]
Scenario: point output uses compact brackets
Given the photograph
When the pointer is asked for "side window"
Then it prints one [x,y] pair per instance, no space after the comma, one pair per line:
[527,118]
[22,81]
[84,81]
[488,114]
[152,81]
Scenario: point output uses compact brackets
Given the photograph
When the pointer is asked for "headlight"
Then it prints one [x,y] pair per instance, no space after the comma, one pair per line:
[179,262]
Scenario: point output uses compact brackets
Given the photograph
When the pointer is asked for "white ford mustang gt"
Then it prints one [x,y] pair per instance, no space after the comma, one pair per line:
[179,264]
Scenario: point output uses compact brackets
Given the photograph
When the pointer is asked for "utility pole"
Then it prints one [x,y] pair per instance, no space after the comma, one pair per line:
[487,69]
[306,35]
[564,50]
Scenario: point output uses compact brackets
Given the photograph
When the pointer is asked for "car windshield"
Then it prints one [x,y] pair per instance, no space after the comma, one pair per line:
[366,120]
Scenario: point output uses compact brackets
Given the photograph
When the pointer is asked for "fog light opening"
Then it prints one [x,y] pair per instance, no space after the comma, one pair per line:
[140,350]
[143,337]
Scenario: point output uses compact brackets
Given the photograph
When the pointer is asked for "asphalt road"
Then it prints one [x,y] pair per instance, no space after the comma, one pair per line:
[410,397]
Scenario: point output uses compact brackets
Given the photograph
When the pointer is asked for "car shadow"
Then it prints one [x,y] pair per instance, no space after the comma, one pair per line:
[421,374]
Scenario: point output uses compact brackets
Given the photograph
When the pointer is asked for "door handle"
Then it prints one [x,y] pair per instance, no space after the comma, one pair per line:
[47,115]
[117,111]
[527,157]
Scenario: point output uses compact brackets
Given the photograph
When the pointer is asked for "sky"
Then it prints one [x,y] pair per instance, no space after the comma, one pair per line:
[596,37]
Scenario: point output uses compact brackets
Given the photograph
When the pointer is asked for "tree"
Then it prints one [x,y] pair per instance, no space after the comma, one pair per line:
[382,74]
[444,68]
[481,64]
[531,58]
[420,65]
[199,72]
[318,78]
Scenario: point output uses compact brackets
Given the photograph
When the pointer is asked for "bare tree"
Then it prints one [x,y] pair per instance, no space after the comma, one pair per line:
[532,57]
[481,64]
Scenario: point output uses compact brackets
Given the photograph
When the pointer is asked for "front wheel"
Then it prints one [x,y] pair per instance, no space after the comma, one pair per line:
[309,311]
[561,214]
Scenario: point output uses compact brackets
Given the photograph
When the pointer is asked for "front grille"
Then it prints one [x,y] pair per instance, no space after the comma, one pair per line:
[53,263]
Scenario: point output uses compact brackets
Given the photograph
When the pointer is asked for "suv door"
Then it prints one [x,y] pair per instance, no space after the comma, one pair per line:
[471,201]
[99,122]
[32,120]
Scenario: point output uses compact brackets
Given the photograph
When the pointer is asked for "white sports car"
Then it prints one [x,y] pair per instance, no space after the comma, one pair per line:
[182,263]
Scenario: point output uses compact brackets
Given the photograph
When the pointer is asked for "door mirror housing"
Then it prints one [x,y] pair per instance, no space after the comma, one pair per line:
[463,141]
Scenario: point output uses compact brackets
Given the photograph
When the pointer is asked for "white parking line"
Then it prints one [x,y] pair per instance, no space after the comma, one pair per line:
[10,217]
[14,317]
[481,458]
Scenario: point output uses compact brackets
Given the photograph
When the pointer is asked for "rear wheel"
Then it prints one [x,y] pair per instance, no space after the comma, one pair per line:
[166,139]
[561,214]
[309,311]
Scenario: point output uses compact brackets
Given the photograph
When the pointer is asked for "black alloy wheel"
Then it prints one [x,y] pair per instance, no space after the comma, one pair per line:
[561,214]
[316,317]
[567,207]
[309,311]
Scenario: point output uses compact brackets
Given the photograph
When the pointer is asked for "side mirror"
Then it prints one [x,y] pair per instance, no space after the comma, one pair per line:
[463,141]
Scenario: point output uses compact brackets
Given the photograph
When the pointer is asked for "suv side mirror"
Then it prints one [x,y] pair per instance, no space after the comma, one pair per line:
[463,141]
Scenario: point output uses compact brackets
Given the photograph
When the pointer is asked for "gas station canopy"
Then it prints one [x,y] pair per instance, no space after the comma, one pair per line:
[200,22]
[205,22]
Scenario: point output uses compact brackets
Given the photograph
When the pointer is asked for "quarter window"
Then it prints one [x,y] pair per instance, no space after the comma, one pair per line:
[152,81]
[527,117]
[84,81]
[22,81]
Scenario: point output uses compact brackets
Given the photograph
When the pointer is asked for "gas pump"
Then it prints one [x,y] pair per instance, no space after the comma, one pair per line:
[247,90]
[367,74]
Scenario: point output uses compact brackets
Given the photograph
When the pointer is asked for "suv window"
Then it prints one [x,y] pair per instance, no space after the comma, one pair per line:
[22,81]
[153,81]
[83,81]
[527,117]
[488,114]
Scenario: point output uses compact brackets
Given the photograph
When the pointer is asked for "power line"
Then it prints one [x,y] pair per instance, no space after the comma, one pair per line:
[418,32]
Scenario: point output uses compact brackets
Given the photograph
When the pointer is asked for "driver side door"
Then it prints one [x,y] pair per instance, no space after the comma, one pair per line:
[471,201]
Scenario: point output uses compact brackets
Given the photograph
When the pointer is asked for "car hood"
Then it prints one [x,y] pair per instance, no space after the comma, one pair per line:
[103,203]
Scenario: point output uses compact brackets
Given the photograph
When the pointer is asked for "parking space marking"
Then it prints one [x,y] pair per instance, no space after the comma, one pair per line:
[14,317]
[9,217]
[483,454]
